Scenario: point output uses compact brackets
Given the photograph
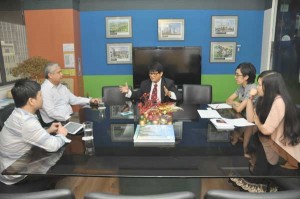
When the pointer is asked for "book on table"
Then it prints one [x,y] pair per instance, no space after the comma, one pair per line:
[154,135]
[221,124]
[230,124]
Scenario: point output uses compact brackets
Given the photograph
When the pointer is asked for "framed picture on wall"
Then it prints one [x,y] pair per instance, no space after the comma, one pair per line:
[119,53]
[118,27]
[222,51]
[224,26]
[171,29]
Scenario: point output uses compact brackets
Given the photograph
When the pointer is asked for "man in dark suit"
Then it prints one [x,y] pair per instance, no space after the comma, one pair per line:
[159,88]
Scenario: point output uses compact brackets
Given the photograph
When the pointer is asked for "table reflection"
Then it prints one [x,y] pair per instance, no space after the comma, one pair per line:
[199,151]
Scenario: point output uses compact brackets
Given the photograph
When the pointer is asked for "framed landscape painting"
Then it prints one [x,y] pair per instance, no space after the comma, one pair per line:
[119,53]
[171,29]
[118,27]
[222,51]
[224,26]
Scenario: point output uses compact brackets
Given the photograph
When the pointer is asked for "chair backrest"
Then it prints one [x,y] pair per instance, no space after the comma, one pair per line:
[111,95]
[196,94]
[39,116]
[49,194]
[226,194]
[174,195]
[5,113]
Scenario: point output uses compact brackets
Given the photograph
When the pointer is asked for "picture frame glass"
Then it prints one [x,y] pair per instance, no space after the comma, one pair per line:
[119,53]
[222,51]
[171,29]
[224,26]
[118,27]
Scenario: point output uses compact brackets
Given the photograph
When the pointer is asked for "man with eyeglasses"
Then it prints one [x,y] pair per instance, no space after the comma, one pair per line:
[245,74]
[159,88]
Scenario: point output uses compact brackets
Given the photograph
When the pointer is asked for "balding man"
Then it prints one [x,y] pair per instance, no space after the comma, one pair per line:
[57,97]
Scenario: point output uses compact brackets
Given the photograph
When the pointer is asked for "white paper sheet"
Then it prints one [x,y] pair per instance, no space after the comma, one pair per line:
[239,122]
[209,114]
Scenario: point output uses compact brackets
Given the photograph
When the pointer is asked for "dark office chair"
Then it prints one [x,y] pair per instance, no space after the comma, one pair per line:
[5,113]
[196,94]
[39,116]
[226,194]
[174,195]
[111,95]
[49,194]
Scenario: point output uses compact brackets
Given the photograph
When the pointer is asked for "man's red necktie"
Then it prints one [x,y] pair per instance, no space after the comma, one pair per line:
[154,94]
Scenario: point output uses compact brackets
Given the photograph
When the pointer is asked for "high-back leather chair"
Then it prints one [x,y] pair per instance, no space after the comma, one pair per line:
[227,194]
[49,194]
[196,94]
[111,95]
[174,195]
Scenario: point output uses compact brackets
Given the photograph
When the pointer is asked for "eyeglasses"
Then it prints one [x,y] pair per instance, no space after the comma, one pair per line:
[237,75]
[153,73]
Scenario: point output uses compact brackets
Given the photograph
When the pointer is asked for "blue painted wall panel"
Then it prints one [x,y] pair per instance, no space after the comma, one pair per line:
[144,24]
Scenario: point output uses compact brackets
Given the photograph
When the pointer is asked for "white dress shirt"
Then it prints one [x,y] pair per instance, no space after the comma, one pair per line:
[57,101]
[21,131]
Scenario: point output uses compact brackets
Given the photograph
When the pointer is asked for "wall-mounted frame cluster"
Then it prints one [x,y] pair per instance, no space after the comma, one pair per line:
[223,26]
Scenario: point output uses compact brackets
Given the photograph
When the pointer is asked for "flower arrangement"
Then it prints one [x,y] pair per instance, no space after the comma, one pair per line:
[155,112]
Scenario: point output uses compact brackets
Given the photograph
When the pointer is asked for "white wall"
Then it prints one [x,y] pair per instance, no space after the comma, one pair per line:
[268,36]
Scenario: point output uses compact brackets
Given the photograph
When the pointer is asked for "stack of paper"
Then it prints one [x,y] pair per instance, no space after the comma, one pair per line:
[230,124]
[154,135]
[238,122]
[209,114]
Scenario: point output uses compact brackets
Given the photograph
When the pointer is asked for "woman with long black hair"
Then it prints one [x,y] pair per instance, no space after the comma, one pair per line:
[275,116]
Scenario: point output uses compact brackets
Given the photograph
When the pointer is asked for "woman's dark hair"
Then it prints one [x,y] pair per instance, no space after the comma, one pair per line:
[23,90]
[274,85]
[247,68]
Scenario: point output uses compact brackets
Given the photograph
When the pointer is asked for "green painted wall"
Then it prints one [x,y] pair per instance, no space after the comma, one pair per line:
[93,84]
[223,85]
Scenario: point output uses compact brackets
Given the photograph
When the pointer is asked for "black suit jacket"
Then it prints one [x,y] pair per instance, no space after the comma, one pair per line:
[146,88]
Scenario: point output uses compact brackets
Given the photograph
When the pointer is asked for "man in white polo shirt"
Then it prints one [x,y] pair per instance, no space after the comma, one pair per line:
[58,98]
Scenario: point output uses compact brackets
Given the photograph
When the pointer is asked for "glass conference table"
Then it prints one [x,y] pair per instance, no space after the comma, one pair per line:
[200,151]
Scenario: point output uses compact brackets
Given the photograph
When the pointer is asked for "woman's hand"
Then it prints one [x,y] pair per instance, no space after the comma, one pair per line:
[253,93]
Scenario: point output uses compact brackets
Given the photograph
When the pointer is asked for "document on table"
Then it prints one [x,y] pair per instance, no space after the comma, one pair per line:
[239,122]
[220,124]
[209,114]
[220,106]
